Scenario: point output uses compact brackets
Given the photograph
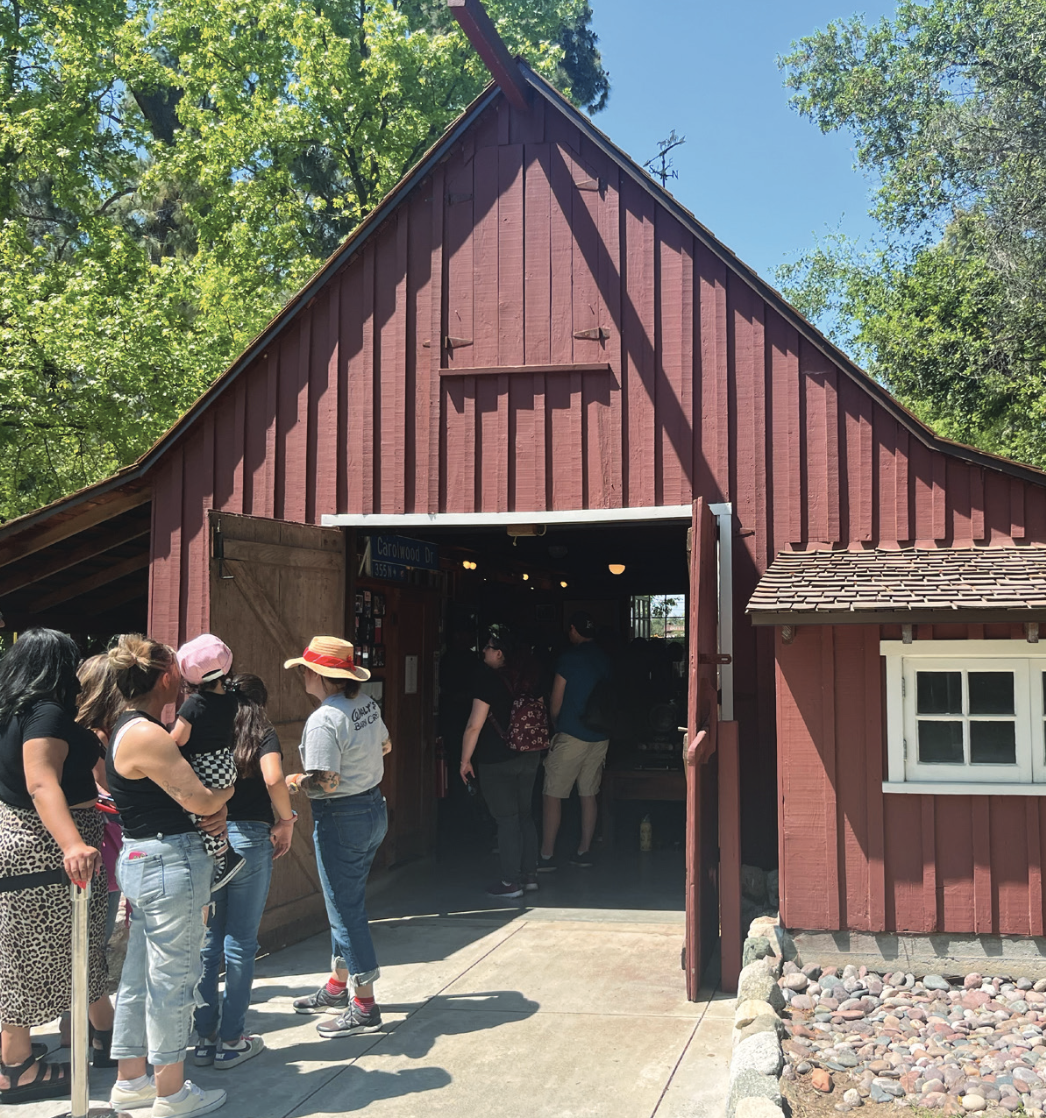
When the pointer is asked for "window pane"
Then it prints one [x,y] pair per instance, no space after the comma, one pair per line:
[991,692]
[940,743]
[993,743]
[939,692]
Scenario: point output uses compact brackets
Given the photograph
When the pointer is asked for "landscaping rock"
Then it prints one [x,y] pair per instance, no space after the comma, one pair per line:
[765,1023]
[750,1085]
[821,1080]
[759,1053]
[748,1010]
[758,1107]
[753,884]
[756,947]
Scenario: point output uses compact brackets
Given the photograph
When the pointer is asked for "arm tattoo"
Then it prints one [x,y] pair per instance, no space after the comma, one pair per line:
[173,791]
[321,780]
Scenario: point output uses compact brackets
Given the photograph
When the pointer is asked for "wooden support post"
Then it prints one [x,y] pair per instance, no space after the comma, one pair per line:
[730,930]
[483,35]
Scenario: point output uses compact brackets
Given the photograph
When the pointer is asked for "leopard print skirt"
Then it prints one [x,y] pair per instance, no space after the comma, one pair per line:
[36,925]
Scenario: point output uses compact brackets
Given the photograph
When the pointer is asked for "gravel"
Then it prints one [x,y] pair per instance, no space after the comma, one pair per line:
[973,1044]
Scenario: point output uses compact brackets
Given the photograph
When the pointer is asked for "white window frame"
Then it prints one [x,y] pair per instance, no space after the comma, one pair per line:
[907,775]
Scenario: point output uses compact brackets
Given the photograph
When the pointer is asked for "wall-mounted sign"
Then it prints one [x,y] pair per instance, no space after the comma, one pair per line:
[392,556]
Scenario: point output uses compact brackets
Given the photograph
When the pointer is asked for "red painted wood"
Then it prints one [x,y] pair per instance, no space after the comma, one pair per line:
[510,301]
[1009,865]
[977,518]
[390,307]
[785,387]
[820,461]
[902,506]
[675,283]
[197,497]
[638,370]
[322,478]
[827,749]
[903,900]
[228,449]
[418,426]
[729,775]
[353,368]
[857,412]
[610,413]
[929,853]
[980,825]
[292,427]
[713,475]
[436,330]
[166,537]
[850,779]
[537,321]
[1033,810]
[364,384]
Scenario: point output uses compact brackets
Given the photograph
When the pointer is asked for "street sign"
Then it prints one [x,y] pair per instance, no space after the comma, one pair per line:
[390,557]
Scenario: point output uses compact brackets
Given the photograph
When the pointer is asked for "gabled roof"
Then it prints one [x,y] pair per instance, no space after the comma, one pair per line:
[413,179]
[916,584]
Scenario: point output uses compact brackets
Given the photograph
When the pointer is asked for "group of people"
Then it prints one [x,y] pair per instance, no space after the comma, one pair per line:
[185,821]
[576,750]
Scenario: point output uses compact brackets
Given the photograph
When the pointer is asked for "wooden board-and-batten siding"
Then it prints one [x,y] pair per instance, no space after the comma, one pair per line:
[532,243]
[854,858]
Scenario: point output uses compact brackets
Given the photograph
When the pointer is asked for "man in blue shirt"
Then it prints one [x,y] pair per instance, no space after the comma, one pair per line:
[577,753]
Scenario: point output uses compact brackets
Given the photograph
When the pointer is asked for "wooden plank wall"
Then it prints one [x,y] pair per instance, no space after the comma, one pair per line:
[524,236]
[853,858]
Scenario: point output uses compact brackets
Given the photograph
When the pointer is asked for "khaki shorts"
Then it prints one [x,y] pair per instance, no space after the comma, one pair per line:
[571,759]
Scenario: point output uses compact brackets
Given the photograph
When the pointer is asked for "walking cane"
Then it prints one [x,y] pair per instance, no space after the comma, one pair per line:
[81,1093]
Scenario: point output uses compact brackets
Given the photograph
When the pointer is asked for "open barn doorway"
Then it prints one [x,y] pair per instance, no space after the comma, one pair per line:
[635,581]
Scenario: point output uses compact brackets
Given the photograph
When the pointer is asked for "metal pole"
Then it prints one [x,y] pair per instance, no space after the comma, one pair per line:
[81,1096]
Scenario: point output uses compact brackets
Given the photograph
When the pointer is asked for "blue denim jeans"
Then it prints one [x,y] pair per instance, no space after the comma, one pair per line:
[168,882]
[348,831]
[233,933]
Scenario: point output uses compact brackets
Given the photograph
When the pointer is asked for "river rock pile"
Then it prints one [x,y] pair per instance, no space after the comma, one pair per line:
[975,1045]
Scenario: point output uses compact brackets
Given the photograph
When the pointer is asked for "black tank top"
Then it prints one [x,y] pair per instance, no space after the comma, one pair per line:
[145,808]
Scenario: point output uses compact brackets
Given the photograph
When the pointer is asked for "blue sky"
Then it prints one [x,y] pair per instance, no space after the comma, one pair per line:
[761,178]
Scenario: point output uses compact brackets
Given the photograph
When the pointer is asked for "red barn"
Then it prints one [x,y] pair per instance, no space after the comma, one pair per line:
[529,336]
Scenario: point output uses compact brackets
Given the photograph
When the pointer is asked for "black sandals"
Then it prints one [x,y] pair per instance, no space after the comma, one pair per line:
[53,1081]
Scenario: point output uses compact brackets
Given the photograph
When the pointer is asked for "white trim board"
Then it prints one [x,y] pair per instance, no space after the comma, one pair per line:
[500,519]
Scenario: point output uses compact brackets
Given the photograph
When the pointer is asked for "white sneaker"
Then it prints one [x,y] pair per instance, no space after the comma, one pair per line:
[195,1101]
[122,1099]
[229,1055]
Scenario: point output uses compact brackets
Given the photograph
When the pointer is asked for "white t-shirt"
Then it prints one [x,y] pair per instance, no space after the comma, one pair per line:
[344,736]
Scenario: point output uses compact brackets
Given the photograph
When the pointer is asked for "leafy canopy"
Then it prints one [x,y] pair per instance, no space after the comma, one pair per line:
[947,107]
[171,172]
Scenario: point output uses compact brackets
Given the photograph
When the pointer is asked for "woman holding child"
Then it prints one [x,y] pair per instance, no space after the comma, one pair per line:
[166,874]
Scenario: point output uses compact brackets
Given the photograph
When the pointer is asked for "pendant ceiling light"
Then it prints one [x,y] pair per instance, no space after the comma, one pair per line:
[616,568]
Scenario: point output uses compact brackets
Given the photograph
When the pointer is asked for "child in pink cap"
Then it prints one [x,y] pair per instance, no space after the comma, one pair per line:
[204,730]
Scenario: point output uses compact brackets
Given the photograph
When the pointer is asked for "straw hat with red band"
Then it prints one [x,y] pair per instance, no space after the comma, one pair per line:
[330,656]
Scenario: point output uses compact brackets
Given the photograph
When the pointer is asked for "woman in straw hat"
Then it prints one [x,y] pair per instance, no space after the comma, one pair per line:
[342,751]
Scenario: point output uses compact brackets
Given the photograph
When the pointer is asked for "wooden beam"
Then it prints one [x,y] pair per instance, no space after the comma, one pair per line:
[93,582]
[102,603]
[121,501]
[67,559]
[483,35]
[499,370]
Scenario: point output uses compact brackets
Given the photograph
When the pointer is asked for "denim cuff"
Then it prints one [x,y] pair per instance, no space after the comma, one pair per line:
[364,978]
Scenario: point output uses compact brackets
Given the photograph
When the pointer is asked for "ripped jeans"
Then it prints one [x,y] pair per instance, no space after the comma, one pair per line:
[167,879]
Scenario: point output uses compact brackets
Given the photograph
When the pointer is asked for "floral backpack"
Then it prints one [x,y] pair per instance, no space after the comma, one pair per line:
[527,724]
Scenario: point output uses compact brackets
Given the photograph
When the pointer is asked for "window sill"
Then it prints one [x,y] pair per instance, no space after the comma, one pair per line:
[933,788]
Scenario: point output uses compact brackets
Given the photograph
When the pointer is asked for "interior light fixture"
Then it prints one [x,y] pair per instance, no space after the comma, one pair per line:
[616,568]
[526,577]
[469,564]
[563,583]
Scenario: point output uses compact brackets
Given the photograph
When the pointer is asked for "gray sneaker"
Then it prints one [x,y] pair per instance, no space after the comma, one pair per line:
[323,1001]
[352,1021]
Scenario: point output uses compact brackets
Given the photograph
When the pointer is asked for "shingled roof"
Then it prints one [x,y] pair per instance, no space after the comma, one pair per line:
[964,584]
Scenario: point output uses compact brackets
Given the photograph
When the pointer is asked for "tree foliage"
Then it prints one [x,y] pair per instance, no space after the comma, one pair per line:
[171,172]
[947,106]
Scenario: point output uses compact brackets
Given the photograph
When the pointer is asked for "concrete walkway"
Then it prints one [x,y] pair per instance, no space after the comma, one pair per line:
[554,1008]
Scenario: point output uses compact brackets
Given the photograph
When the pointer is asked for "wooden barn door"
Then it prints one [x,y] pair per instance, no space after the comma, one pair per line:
[275,585]
[702,844]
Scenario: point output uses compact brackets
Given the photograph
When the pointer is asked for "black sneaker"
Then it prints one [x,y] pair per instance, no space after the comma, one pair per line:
[353,1020]
[547,865]
[529,881]
[507,889]
[583,860]
[226,867]
[323,1001]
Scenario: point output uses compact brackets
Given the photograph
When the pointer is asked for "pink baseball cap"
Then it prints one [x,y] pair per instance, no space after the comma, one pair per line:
[204,658]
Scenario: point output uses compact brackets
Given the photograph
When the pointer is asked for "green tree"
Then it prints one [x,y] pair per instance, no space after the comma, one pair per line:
[170,173]
[946,105]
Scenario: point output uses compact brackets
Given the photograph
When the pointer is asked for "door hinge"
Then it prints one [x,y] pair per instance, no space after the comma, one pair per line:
[904,687]
[905,740]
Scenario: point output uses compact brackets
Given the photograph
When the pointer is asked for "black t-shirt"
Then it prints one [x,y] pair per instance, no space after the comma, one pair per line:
[250,801]
[491,688]
[145,808]
[47,719]
[211,716]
